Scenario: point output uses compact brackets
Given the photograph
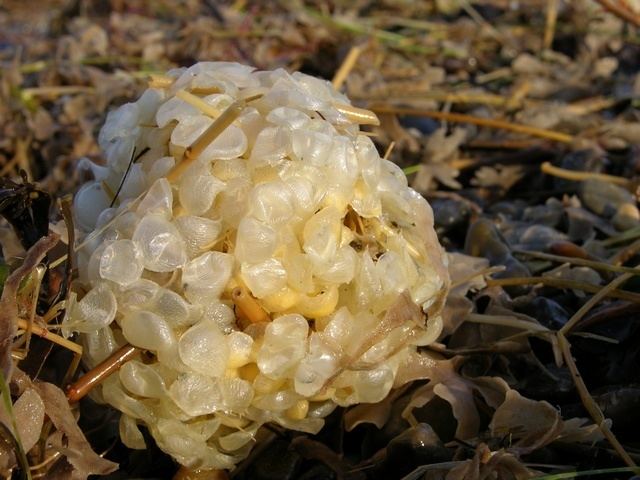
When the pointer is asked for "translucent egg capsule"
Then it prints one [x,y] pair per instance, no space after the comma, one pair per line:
[204,348]
[96,310]
[284,345]
[121,262]
[148,330]
[199,233]
[161,245]
[206,276]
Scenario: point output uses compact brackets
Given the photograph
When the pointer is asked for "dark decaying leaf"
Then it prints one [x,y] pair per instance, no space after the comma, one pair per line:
[78,452]
[26,208]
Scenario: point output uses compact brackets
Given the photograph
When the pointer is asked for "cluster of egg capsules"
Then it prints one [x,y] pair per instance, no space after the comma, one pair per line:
[269,278]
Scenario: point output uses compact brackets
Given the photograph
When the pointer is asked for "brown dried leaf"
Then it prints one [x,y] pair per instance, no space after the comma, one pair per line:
[375,413]
[500,176]
[439,150]
[533,423]
[447,384]
[391,129]
[464,271]
[78,451]
[486,464]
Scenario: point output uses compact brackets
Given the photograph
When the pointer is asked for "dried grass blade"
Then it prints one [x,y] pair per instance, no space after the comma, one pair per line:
[589,403]
[580,261]
[484,122]
[562,283]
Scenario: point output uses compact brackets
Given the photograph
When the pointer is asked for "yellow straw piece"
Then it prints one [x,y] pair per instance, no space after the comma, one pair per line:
[46,334]
[347,65]
[198,103]
[358,115]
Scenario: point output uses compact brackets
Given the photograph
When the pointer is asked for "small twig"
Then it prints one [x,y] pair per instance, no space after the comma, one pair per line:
[485,122]
[100,372]
[579,176]
[347,65]
[46,334]
[620,11]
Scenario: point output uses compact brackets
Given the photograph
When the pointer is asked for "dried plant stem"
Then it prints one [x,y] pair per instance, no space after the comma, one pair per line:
[550,23]
[100,372]
[45,462]
[590,105]
[390,148]
[580,261]
[249,306]
[625,253]
[620,11]
[347,65]
[56,91]
[37,275]
[578,176]
[503,144]
[484,122]
[589,304]
[479,273]
[518,96]
[562,283]
[506,321]
[218,126]
[443,96]
[46,334]
[627,235]
[589,403]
